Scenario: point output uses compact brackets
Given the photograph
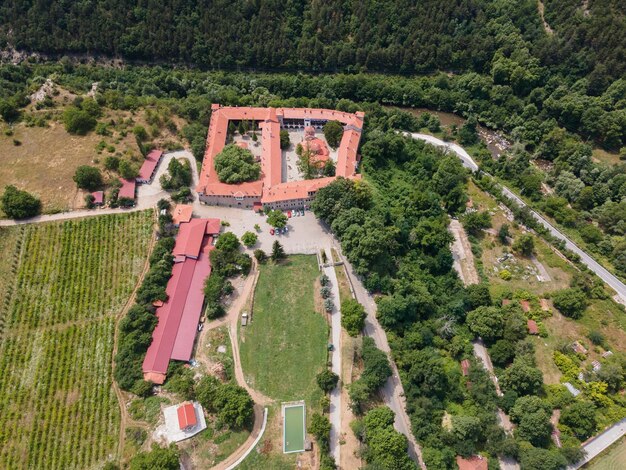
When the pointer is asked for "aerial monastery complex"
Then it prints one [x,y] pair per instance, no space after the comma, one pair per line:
[275,188]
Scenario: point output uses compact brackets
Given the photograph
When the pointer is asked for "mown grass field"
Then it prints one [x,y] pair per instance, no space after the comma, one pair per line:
[69,280]
[284,347]
[612,459]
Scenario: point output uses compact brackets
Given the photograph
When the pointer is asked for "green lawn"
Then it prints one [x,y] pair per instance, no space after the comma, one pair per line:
[612,459]
[284,347]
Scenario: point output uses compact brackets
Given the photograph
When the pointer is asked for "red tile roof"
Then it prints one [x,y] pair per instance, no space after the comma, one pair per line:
[182,213]
[149,165]
[128,189]
[192,308]
[98,197]
[465,367]
[174,335]
[271,155]
[475,462]
[525,305]
[189,239]
[213,226]
[533,329]
[186,415]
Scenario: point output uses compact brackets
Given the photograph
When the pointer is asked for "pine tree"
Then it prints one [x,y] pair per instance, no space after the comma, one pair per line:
[278,252]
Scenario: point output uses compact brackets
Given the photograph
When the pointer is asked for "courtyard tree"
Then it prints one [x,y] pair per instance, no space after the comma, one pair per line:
[18,204]
[249,239]
[333,131]
[285,142]
[277,219]
[88,177]
[236,165]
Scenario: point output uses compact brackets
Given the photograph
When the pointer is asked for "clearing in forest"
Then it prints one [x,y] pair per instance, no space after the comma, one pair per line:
[284,347]
[57,321]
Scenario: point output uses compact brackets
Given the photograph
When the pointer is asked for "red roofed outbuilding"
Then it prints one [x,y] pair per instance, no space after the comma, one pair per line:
[475,462]
[127,191]
[149,166]
[98,198]
[533,329]
[186,416]
[465,367]
[181,213]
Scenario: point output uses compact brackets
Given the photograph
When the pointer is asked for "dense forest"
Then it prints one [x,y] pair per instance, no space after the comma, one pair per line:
[333,35]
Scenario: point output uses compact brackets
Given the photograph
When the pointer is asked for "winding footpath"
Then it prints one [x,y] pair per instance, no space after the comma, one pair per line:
[612,281]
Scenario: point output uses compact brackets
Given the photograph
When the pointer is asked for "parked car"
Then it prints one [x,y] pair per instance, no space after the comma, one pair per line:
[271,231]
[289,214]
[285,230]
[200,326]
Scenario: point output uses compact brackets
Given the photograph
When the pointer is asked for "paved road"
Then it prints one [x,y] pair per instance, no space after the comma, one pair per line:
[335,357]
[617,285]
[601,442]
[393,391]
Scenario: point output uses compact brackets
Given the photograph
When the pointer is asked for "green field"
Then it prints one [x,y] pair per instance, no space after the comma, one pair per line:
[284,347]
[69,281]
[612,459]
[293,428]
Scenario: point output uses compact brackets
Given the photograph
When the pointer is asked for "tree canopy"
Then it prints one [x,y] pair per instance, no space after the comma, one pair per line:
[236,165]
[88,177]
[18,204]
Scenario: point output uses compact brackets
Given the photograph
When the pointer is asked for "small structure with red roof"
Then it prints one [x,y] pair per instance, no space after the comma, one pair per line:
[525,305]
[182,421]
[475,462]
[533,329]
[98,198]
[186,416]
[127,191]
[149,166]
[465,367]
[181,213]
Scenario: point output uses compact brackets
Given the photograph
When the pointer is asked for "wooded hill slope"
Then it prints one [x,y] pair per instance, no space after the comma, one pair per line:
[359,35]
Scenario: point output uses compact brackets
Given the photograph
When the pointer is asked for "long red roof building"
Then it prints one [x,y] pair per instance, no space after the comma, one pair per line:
[178,317]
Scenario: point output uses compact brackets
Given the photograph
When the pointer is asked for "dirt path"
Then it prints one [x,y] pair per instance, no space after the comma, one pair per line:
[546,26]
[462,254]
[126,420]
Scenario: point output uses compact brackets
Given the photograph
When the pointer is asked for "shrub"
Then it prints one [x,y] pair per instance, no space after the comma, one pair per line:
[260,255]
[524,244]
[78,121]
[352,316]
[18,204]
[505,275]
[327,380]
[570,302]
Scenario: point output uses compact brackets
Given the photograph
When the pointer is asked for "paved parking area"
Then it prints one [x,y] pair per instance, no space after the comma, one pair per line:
[306,234]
